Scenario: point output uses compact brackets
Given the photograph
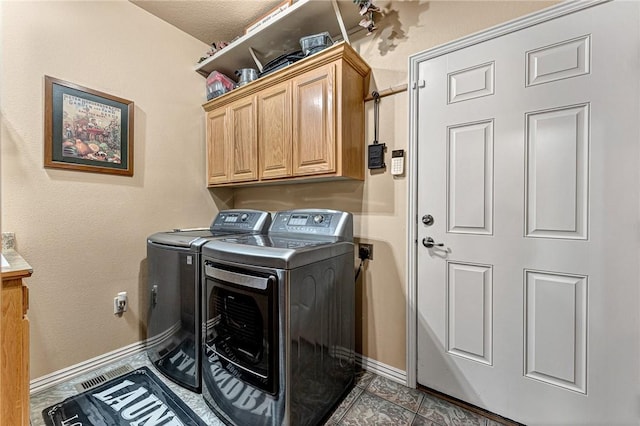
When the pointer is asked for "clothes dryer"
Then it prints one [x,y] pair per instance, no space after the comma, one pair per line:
[278,320]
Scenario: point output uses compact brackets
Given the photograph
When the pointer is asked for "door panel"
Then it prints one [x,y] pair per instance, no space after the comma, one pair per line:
[570,58]
[471,83]
[557,170]
[556,329]
[469,305]
[470,178]
[528,154]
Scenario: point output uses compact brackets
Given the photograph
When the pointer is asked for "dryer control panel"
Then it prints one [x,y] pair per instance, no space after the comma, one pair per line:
[314,222]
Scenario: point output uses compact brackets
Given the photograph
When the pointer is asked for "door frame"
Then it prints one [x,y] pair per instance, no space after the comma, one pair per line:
[547,14]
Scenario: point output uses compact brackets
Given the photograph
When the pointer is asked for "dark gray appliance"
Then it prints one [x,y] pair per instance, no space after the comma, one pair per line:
[278,320]
[174,318]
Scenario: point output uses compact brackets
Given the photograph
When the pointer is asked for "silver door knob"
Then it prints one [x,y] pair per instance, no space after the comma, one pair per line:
[429,243]
[427,219]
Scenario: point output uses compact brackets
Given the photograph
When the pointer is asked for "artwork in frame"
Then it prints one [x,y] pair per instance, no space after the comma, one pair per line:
[87,130]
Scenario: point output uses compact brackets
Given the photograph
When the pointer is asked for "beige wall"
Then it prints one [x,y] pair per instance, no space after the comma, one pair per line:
[379,204]
[84,233]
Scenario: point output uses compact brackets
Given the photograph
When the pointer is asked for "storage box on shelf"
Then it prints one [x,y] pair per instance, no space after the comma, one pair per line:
[305,121]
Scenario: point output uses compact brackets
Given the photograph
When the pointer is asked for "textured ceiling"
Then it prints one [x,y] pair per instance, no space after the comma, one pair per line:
[209,20]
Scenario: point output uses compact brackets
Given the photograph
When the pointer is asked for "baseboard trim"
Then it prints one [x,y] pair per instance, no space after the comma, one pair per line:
[52,379]
[382,369]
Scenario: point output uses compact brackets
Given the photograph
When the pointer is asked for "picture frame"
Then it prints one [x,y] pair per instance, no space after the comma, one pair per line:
[87,130]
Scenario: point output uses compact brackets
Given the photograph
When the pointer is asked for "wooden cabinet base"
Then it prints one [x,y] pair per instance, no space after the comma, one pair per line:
[14,368]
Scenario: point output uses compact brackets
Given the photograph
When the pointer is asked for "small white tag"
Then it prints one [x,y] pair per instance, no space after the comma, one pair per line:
[189,260]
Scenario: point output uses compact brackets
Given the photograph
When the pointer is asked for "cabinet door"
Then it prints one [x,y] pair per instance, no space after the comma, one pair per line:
[244,140]
[274,131]
[218,152]
[14,370]
[314,150]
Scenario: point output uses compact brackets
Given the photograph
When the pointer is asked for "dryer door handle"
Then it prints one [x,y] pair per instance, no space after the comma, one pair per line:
[259,283]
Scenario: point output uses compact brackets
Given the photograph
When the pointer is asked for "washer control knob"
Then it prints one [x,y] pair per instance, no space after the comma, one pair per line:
[318,218]
[244,217]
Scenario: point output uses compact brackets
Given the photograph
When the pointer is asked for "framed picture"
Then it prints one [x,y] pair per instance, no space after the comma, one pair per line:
[87,130]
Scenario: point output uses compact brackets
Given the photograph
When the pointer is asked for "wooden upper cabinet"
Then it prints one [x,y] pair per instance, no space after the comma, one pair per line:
[218,170]
[274,131]
[303,122]
[243,140]
[314,147]
[232,145]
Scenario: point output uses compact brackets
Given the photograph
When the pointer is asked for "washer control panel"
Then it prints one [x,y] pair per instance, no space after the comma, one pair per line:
[245,220]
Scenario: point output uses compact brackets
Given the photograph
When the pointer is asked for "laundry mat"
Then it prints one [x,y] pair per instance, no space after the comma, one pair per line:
[136,398]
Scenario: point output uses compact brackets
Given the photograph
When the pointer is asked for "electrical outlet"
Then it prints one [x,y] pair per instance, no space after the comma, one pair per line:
[120,303]
[365,251]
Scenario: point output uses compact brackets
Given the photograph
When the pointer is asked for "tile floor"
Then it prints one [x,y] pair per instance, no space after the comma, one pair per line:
[374,400]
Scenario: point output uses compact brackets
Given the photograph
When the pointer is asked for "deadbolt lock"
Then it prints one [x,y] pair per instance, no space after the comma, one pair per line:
[427,219]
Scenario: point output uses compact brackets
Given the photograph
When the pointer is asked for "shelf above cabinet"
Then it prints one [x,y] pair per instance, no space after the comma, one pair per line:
[282,35]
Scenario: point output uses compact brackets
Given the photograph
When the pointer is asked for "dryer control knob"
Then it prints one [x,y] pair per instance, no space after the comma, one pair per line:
[318,218]
[244,217]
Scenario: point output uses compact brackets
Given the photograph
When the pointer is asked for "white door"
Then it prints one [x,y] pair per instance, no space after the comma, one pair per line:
[528,163]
